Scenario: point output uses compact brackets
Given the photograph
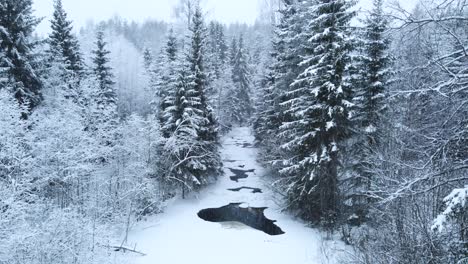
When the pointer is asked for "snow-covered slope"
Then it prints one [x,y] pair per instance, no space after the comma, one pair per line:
[179,236]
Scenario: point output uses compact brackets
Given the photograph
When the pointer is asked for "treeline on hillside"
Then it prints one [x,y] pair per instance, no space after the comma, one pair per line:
[80,160]
[373,126]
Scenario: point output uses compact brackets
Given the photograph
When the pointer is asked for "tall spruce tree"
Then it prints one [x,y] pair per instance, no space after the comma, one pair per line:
[148,59]
[212,64]
[63,44]
[374,73]
[166,90]
[233,51]
[183,165]
[105,117]
[3,65]
[193,146]
[222,46]
[103,73]
[224,101]
[216,50]
[288,48]
[17,24]
[319,106]
[208,128]
[172,46]
[243,108]
[216,66]
[377,72]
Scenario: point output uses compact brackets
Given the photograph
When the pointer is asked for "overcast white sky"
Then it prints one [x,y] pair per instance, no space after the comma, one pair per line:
[81,11]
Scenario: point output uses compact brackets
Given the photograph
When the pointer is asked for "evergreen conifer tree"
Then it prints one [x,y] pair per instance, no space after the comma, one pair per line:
[183,143]
[166,84]
[319,105]
[224,101]
[105,117]
[215,63]
[373,75]
[103,73]
[171,46]
[208,128]
[241,77]
[3,67]
[17,24]
[217,50]
[63,44]
[288,44]
[222,47]
[233,51]
[148,59]
[194,142]
[376,73]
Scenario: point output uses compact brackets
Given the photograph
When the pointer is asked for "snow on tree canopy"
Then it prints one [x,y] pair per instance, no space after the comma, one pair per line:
[456,203]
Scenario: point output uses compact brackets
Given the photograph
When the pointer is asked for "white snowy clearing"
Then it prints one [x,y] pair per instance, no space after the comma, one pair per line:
[179,236]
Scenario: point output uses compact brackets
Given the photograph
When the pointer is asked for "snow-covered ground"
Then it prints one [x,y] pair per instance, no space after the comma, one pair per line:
[179,236]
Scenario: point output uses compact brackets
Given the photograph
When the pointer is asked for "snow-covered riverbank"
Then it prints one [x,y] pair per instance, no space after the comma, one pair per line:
[179,236]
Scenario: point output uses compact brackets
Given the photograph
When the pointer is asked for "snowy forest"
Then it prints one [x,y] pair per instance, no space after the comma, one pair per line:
[344,128]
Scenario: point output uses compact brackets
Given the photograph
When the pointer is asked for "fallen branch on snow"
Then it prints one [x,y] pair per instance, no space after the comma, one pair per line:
[125,250]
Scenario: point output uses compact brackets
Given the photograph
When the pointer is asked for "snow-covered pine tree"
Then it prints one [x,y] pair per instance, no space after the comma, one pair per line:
[211,54]
[286,55]
[319,106]
[3,65]
[222,46]
[233,51]
[216,50]
[223,100]
[216,67]
[241,77]
[265,111]
[153,66]
[374,73]
[194,143]
[208,128]
[165,84]
[172,46]
[150,75]
[62,43]
[17,24]
[182,164]
[378,72]
[148,59]
[103,72]
[105,118]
